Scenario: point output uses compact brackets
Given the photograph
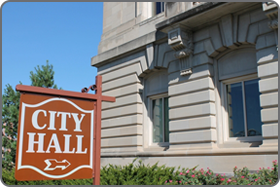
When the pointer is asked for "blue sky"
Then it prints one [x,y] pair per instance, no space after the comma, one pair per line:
[66,34]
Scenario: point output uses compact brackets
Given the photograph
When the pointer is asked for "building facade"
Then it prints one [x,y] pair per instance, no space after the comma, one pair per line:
[195,84]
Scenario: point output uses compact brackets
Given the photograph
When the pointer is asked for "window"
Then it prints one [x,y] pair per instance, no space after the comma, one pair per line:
[160,120]
[155,111]
[159,7]
[243,108]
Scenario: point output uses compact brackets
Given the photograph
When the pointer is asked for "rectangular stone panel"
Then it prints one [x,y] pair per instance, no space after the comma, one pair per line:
[122,121]
[270,130]
[193,123]
[121,141]
[120,82]
[120,101]
[121,111]
[269,99]
[193,136]
[197,72]
[126,90]
[269,115]
[269,84]
[192,98]
[115,74]
[192,111]
[268,69]
[122,131]
[185,87]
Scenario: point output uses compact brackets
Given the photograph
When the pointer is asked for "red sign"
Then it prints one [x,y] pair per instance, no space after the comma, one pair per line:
[59,133]
[55,138]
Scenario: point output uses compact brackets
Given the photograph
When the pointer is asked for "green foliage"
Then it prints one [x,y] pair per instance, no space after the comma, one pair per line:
[10,110]
[43,77]
[139,174]
[133,174]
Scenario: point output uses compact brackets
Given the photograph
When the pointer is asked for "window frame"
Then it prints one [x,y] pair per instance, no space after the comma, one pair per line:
[150,114]
[223,84]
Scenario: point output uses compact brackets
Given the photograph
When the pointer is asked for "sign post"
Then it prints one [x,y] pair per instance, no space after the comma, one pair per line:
[59,134]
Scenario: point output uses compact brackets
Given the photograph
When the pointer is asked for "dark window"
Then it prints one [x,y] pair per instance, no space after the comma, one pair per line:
[159,7]
[243,99]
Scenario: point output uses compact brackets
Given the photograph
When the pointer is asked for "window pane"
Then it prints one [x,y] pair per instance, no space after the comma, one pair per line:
[253,109]
[235,110]
[157,121]
[159,7]
[166,120]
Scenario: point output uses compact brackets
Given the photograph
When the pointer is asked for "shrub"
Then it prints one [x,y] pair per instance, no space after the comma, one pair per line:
[136,173]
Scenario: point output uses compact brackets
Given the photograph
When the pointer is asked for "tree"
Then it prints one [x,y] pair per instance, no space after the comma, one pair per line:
[43,77]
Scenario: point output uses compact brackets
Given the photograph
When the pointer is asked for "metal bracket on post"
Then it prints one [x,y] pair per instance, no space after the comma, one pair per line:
[91,87]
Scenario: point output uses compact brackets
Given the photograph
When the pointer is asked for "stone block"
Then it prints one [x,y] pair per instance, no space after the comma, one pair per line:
[126,70]
[192,124]
[267,55]
[198,72]
[216,37]
[269,69]
[192,98]
[122,63]
[121,141]
[269,99]
[120,82]
[209,47]
[200,59]
[227,28]
[192,111]
[201,35]
[198,47]
[265,40]
[270,130]
[269,84]
[122,131]
[122,121]
[121,111]
[193,136]
[121,101]
[243,25]
[105,150]
[191,86]
[126,90]
[269,115]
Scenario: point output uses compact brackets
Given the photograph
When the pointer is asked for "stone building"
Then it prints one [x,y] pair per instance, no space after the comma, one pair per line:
[195,84]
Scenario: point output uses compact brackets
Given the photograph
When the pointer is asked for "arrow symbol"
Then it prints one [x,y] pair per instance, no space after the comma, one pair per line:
[52,164]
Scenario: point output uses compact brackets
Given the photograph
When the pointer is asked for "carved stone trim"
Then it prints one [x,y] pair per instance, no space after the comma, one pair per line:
[271,11]
[180,40]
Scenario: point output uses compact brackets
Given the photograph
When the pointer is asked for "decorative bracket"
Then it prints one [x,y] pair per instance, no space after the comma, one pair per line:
[271,11]
[180,40]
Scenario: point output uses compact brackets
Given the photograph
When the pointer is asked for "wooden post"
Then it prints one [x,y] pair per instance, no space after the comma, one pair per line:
[98,130]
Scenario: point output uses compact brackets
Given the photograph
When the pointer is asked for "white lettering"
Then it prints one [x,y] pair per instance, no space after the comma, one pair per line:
[78,121]
[79,144]
[67,144]
[52,120]
[56,144]
[40,143]
[35,119]
[63,120]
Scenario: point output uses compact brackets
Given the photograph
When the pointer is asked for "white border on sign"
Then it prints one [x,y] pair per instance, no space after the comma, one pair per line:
[21,139]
